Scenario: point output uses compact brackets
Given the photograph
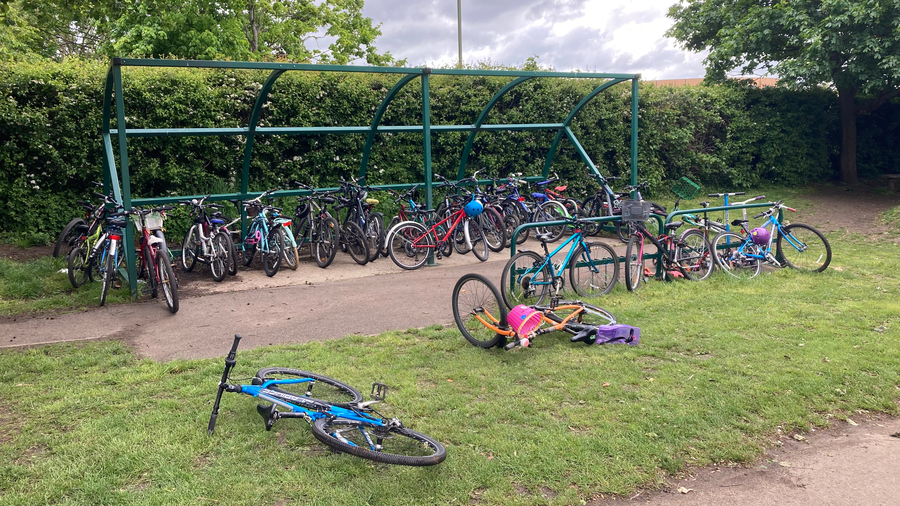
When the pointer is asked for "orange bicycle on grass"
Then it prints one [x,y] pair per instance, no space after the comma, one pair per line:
[482,318]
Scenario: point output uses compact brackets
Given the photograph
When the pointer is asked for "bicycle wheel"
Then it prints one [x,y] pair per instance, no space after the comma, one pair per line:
[511,223]
[385,251]
[589,315]
[514,210]
[109,273]
[325,241]
[693,253]
[804,248]
[731,251]
[551,211]
[476,240]
[247,252]
[167,280]
[374,230]
[494,229]
[624,230]
[271,259]
[357,244]
[475,297]
[634,262]
[190,249]
[66,238]
[77,269]
[288,250]
[593,271]
[460,244]
[410,245]
[149,271]
[218,263]
[232,254]
[592,207]
[390,444]
[324,389]
[525,279]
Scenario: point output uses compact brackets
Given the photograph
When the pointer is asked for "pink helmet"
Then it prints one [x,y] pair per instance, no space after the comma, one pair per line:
[760,236]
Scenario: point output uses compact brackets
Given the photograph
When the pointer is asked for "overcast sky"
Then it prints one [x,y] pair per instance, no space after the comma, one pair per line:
[613,36]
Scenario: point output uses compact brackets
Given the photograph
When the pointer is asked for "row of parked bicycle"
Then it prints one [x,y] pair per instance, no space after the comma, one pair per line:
[465,219]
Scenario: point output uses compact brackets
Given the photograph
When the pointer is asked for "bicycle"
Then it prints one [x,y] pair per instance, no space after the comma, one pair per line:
[315,227]
[411,243]
[262,236]
[807,249]
[84,258]
[339,418]
[203,244]
[528,277]
[77,229]
[359,211]
[484,321]
[679,258]
[155,265]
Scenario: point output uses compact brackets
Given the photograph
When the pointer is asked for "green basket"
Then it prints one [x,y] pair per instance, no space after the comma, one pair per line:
[686,189]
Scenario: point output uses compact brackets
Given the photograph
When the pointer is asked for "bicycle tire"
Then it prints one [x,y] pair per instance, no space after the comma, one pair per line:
[410,245]
[167,280]
[271,259]
[149,271]
[190,249]
[731,260]
[591,315]
[232,254]
[474,294]
[597,274]
[417,448]
[66,237]
[218,264]
[288,250]
[373,234]
[109,272]
[356,242]
[476,240]
[693,254]
[494,229]
[77,270]
[592,207]
[516,281]
[516,212]
[511,223]
[247,253]
[634,262]
[385,250]
[551,211]
[327,389]
[458,237]
[810,259]
[325,242]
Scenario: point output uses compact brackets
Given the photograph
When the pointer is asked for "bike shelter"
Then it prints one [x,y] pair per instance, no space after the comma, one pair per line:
[117,178]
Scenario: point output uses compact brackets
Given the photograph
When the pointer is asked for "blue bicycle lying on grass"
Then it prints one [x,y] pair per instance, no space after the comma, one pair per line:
[338,416]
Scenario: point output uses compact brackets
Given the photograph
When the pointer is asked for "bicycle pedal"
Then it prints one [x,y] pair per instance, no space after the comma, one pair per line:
[379,391]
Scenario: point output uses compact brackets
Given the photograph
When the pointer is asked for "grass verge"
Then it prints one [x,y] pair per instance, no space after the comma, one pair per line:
[723,366]
[40,285]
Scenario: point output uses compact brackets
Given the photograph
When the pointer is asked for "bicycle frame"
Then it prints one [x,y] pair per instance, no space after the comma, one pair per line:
[767,255]
[577,236]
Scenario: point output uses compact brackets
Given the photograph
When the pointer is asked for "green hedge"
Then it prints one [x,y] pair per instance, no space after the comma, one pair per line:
[723,136]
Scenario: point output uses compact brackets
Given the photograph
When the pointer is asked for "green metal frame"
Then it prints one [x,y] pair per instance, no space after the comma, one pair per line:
[121,186]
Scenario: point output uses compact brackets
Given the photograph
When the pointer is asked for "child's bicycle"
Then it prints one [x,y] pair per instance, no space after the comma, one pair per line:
[482,318]
[339,419]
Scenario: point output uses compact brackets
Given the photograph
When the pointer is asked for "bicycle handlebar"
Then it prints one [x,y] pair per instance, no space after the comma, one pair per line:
[724,194]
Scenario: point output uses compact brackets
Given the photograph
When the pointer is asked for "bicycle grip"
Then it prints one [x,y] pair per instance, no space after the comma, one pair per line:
[234,347]
[511,345]
[760,215]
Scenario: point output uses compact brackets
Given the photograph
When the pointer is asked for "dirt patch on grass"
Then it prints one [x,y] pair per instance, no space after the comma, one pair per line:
[18,254]
[856,209]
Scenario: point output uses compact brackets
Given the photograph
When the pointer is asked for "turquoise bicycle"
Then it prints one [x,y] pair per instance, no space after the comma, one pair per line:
[798,246]
[528,277]
[262,235]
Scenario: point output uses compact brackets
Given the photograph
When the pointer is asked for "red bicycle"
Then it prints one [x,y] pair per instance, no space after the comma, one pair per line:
[411,243]
[155,264]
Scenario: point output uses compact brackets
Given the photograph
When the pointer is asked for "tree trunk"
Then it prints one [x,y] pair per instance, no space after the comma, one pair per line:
[847,100]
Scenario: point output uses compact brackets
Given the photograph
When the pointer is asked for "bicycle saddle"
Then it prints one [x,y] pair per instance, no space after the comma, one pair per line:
[738,223]
[543,237]
[674,225]
[116,222]
[588,335]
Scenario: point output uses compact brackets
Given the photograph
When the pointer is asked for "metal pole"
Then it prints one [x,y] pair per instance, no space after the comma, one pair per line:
[426,143]
[459,28]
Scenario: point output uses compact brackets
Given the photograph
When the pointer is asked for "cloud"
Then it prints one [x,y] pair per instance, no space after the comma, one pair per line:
[605,36]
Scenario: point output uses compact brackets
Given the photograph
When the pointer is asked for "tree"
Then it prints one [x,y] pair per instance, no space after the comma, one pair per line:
[199,29]
[852,46]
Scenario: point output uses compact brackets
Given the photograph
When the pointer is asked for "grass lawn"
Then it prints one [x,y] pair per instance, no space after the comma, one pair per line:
[723,366]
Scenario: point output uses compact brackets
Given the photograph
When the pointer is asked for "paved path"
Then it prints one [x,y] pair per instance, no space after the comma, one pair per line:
[288,314]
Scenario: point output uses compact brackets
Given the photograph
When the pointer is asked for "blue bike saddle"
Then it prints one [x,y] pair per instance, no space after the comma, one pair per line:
[217,221]
[539,195]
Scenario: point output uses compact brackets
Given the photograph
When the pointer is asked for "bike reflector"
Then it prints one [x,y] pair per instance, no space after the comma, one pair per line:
[115,237]
[285,223]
